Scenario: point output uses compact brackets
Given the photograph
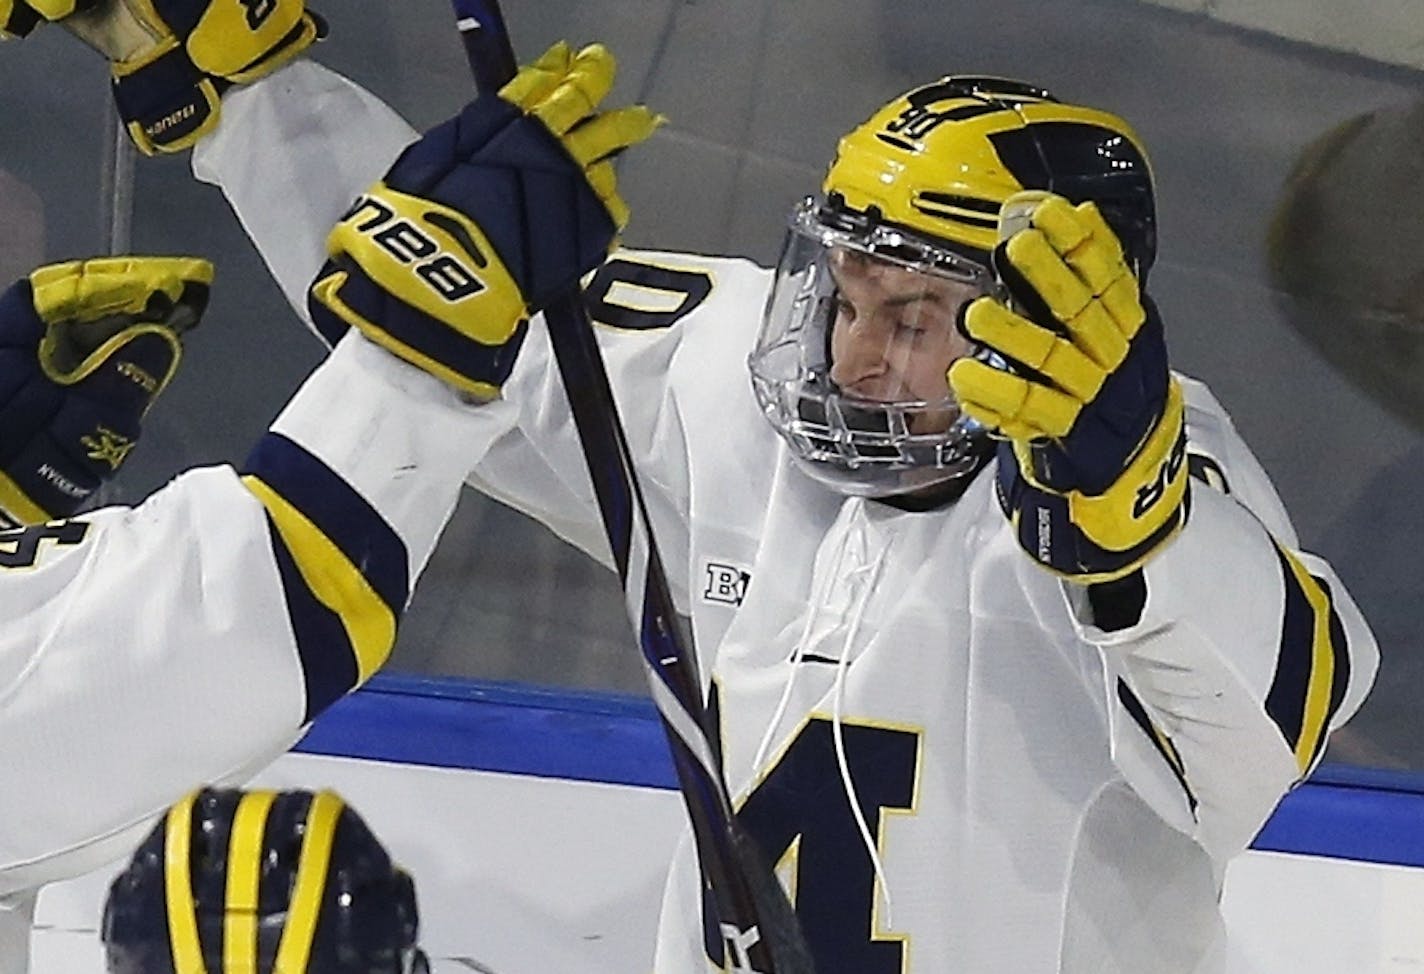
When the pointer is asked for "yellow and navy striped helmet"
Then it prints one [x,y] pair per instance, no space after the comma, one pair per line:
[261,882]
[941,159]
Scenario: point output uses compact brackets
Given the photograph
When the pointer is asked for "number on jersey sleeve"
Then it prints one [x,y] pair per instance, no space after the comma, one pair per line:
[634,295]
[21,547]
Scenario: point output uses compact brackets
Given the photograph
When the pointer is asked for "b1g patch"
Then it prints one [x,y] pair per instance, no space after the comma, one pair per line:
[724,583]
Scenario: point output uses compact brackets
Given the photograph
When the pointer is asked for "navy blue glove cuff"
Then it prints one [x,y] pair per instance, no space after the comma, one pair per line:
[1045,529]
[492,363]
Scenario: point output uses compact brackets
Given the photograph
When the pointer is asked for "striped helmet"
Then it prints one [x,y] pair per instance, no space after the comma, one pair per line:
[261,882]
[940,160]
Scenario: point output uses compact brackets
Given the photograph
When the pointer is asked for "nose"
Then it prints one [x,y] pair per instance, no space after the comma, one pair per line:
[860,358]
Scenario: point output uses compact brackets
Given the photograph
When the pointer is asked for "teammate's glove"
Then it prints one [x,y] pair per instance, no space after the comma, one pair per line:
[85,347]
[484,220]
[1092,473]
[171,59]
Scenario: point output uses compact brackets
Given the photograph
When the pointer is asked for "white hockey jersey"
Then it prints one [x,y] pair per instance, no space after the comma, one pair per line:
[188,640]
[1035,794]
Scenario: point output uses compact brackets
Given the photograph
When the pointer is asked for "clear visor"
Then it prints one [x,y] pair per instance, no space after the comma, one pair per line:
[858,333]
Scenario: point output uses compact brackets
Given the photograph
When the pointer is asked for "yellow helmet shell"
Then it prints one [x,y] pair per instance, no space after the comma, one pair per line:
[942,158]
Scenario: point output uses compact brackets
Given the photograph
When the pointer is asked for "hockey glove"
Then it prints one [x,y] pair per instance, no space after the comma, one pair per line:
[1092,470]
[171,59]
[484,220]
[85,348]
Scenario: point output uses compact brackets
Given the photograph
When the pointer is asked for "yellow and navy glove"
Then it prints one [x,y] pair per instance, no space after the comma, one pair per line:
[1092,471]
[85,348]
[172,59]
[483,221]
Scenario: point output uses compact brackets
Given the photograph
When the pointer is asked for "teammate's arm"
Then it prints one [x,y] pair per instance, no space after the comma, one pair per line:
[291,155]
[188,638]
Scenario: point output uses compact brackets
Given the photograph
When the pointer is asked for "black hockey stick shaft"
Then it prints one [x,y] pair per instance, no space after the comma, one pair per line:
[758,925]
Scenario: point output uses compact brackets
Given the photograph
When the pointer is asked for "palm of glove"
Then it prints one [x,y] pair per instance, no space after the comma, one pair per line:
[483,221]
[85,348]
[1087,406]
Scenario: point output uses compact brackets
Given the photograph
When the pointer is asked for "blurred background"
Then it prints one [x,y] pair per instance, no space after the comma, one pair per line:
[1285,144]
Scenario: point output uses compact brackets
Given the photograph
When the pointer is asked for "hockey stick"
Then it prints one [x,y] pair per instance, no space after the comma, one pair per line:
[758,925]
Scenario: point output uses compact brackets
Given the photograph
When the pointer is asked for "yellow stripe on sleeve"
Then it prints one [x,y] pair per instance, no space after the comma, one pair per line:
[1322,666]
[335,582]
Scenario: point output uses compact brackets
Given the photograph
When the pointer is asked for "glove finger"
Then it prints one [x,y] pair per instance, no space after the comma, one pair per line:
[999,423]
[88,289]
[535,81]
[227,38]
[169,275]
[1018,401]
[171,290]
[1123,301]
[611,132]
[54,9]
[183,282]
[604,182]
[990,323]
[587,83]
[310,29]
[1068,298]
[1084,239]
[1088,245]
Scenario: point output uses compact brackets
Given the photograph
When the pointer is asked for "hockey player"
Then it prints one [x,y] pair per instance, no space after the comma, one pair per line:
[191,638]
[291,882]
[1010,639]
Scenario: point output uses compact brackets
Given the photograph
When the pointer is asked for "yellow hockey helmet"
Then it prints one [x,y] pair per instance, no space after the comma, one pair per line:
[940,160]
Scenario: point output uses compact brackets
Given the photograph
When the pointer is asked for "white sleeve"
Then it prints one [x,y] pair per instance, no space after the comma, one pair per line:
[272,158]
[189,639]
[1247,655]
[293,151]
[667,371]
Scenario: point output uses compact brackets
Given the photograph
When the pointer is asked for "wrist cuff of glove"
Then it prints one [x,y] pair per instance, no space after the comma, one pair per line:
[1095,538]
[348,295]
[166,103]
[32,491]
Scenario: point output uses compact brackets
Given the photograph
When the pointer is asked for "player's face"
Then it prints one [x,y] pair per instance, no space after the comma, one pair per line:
[894,335]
